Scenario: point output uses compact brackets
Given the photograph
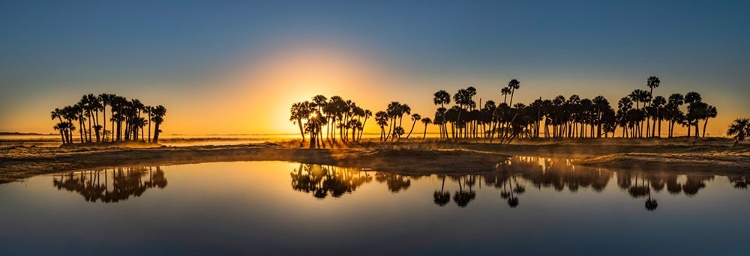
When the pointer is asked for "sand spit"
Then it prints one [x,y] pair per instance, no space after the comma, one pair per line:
[411,157]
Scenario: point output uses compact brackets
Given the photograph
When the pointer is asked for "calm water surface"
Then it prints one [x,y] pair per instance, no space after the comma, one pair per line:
[528,206]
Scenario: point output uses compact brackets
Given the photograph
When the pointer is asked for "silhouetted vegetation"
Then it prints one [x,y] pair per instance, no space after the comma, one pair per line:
[111,185]
[128,118]
[511,179]
[639,114]
[312,116]
[322,180]
[739,129]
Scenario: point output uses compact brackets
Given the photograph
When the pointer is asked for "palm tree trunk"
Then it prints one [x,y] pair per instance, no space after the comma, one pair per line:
[660,121]
[697,131]
[149,126]
[156,132]
[412,129]
[104,129]
[704,127]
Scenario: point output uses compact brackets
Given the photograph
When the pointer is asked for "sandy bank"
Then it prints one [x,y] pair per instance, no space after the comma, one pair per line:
[414,157]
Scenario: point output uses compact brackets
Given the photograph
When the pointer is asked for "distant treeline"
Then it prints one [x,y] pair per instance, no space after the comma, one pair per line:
[638,115]
[128,119]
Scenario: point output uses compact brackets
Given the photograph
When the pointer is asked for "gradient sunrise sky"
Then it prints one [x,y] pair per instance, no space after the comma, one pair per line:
[230,67]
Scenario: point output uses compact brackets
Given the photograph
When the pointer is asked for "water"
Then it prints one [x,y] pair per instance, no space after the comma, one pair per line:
[528,206]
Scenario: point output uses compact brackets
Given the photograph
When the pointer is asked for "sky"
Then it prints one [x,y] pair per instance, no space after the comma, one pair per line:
[226,67]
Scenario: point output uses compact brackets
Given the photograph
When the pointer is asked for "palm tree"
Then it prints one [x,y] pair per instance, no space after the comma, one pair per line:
[299,112]
[118,107]
[381,117]
[78,109]
[393,110]
[601,105]
[425,121]
[740,129]
[658,105]
[414,117]
[505,91]
[158,114]
[693,97]
[105,99]
[368,114]
[697,111]
[397,133]
[70,114]
[653,82]
[623,107]
[513,85]
[442,98]
[690,98]
[673,107]
[61,126]
[94,106]
[57,114]
[710,112]
[463,99]
[136,113]
[149,109]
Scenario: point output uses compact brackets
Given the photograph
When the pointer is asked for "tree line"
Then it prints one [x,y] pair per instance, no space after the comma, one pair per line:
[128,118]
[636,115]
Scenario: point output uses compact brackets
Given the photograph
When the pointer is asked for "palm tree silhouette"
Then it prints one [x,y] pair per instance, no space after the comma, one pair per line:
[652,82]
[710,112]
[157,116]
[62,126]
[368,114]
[414,117]
[739,129]
[691,118]
[463,99]
[381,117]
[658,104]
[299,111]
[426,121]
[601,105]
[513,85]
[442,98]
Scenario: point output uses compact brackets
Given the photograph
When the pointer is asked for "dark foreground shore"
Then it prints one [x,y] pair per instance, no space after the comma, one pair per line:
[682,155]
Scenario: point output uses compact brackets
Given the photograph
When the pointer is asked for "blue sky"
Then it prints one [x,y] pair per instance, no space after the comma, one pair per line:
[51,52]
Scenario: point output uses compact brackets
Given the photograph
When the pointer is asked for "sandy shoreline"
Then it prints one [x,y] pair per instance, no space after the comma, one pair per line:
[710,155]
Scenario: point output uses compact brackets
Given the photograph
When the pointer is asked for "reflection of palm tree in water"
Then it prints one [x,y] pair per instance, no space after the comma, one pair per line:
[694,183]
[442,198]
[395,182]
[641,190]
[517,189]
[125,182]
[461,197]
[739,181]
[651,204]
[672,186]
[322,181]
